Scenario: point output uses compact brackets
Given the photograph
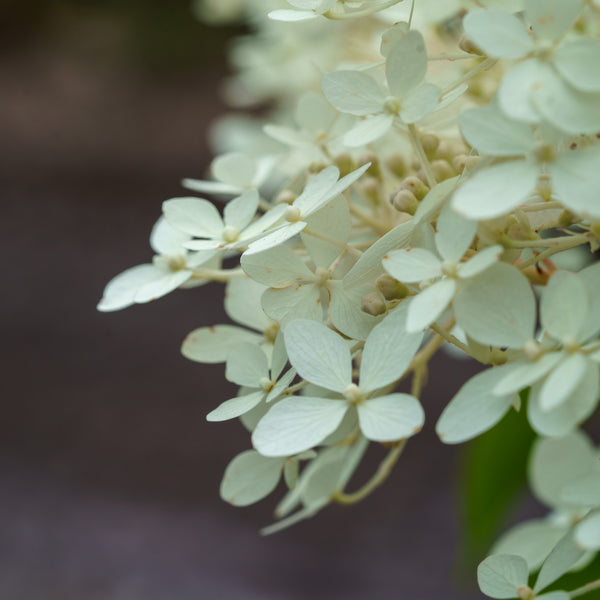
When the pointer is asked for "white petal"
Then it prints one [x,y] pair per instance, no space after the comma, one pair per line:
[584,491]
[514,91]
[234,168]
[342,185]
[549,19]
[318,354]
[532,540]
[587,533]
[498,33]
[287,135]
[240,211]
[425,308]
[369,130]
[264,222]
[475,409]
[153,290]
[564,306]
[346,314]
[194,216]
[577,61]
[501,575]
[412,265]
[230,409]
[388,351]
[497,307]
[566,108]
[520,375]
[302,301]
[454,235]
[313,113]
[557,462]
[420,102]
[296,424]
[591,278]
[120,291]
[249,477]
[565,418]
[276,237]
[490,132]
[292,15]
[276,267]
[496,190]
[166,240]
[575,177]
[210,187]
[390,418]
[353,92]
[212,344]
[317,188]
[246,365]
[406,64]
[242,303]
[560,384]
[560,560]
[480,262]
[281,385]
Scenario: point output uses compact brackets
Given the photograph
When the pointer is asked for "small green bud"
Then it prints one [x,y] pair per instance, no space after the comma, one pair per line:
[525,593]
[467,45]
[286,197]
[472,162]
[567,218]
[544,153]
[391,288]
[397,165]
[345,163]
[416,186]
[595,228]
[430,144]
[370,188]
[532,349]
[370,157]
[405,201]
[373,304]
[442,170]
[292,214]
[459,162]
[445,151]
[316,167]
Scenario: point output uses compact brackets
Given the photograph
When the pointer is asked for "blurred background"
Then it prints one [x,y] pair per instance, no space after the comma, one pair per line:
[109,472]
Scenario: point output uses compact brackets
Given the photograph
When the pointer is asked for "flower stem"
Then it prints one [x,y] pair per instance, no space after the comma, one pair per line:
[418,148]
[588,587]
[333,241]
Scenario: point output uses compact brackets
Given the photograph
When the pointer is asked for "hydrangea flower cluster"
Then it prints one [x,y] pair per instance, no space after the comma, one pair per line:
[429,178]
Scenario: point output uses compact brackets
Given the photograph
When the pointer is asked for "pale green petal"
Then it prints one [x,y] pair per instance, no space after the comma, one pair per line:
[279,356]
[287,135]
[514,91]
[323,481]
[240,211]
[549,19]
[587,533]
[454,234]
[412,264]
[558,595]
[496,190]
[246,365]
[390,418]
[212,344]
[490,132]
[281,385]
[420,102]
[577,61]
[406,64]
[501,575]
[269,220]
[497,307]
[235,407]
[353,92]
[249,477]
[318,354]
[277,267]
[425,308]
[296,424]
[560,560]
[562,381]
[591,278]
[480,262]
[568,415]
[317,188]
[166,240]
[313,113]
[276,237]
[342,185]
[575,178]
[242,303]
[522,374]
[195,216]
[369,130]
[210,187]
[564,306]
[346,314]
[498,33]
[532,540]
[556,462]
[120,291]
[302,301]
[388,351]
[475,409]
[234,168]
[292,16]
[583,492]
[169,281]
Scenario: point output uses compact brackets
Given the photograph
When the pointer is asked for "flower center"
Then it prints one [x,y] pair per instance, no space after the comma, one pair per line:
[230,234]
[292,214]
[353,394]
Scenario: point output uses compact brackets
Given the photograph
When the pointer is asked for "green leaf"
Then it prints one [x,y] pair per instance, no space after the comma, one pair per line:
[493,476]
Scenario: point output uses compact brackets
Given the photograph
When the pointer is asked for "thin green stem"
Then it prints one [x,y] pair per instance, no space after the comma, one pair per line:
[420,152]
[381,474]
[367,219]
[222,275]
[588,587]
[333,241]
[357,14]
[575,241]
[451,56]
[452,339]
[482,66]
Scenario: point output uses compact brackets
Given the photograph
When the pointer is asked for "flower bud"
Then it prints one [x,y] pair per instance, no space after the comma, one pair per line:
[370,188]
[466,44]
[316,167]
[445,151]
[391,288]
[567,218]
[285,197]
[416,186]
[442,170]
[525,593]
[370,157]
[430,144]
[532,349]
[373,304]
[405,201]
[292,214]
[345,163]
[459,162]
[396,164]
